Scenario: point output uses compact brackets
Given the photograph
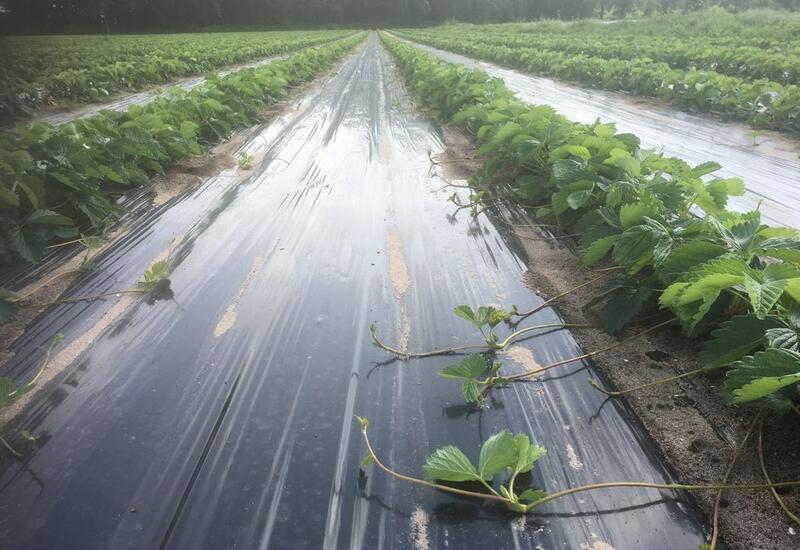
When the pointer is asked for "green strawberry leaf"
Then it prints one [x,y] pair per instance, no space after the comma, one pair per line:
[734,339]
[471,366]
[784,338]
[449,464]
[762,375]
[526,453]
[471,391]
[465,312]
[497,454]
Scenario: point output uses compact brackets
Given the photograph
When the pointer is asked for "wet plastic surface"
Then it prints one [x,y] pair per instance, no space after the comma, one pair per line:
[771,170]
[223,418]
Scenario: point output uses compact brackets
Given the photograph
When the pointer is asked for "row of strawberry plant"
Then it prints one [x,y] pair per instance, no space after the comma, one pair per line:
[32,57]
[54,181]
[749,62]
[763,103]
[39,71]
[662,222]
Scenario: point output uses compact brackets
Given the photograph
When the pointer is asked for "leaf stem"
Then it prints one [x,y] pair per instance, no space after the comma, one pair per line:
[57,245]
[554,237]
[58,338]
[416,355]
[8,446]
[483,482]
[448,161]
[513,336]
[670,486]
[511,481]
[448,183]
[423,482]
[90,298]
[558,296]
[793,517]
[486,346]
[520,225]
[594,384]
[24,297]
[718,500]
[534,372]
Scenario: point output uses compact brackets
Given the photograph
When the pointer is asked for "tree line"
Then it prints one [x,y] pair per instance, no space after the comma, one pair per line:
[138,15]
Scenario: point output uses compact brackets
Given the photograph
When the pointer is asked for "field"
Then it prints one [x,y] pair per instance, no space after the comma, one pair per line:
[752,75]
[44,71]
[301,251]
[57,179]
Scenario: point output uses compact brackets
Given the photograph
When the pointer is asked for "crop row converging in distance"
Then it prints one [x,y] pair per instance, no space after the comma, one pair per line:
[37,72]
[57,181]
[753,79]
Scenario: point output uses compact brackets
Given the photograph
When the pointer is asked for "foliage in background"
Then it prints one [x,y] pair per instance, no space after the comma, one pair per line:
[127,15]
[758,57]
[43,71]
[727,80]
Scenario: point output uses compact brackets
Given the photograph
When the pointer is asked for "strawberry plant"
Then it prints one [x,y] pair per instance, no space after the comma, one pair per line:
[245,161]
[733,58]
[503,458]
[475,375]
[156,278]
[479,377]
[11,391]
[485,319]
[37,71]
[747,94]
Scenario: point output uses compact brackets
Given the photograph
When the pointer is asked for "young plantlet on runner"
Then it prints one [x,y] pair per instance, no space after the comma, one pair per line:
[476,376]
[245,161]
[10,392]
[503,457]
